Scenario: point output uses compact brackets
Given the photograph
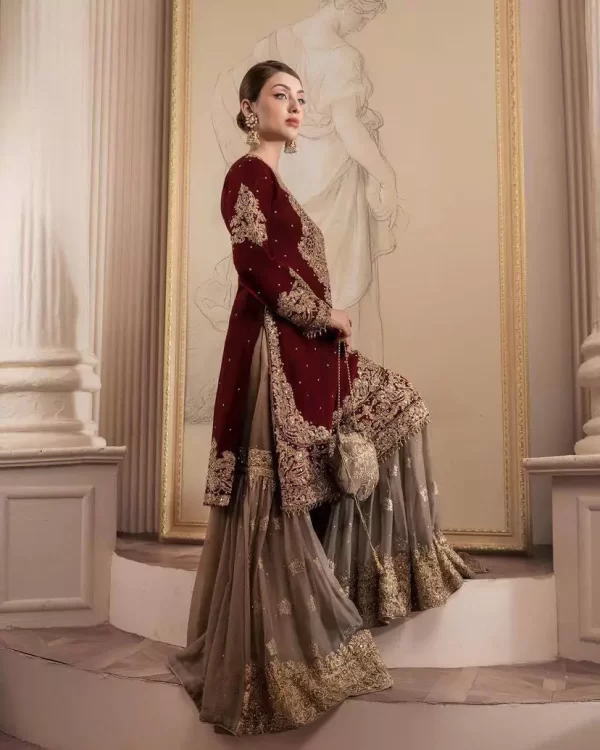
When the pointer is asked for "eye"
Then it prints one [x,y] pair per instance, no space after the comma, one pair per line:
[302,101]
[280,94]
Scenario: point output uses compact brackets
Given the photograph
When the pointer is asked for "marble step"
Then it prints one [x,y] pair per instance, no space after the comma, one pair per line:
[98,688]
[11,743]
[507,616]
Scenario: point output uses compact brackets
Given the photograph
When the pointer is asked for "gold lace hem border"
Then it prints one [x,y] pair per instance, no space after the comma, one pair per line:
[220,499]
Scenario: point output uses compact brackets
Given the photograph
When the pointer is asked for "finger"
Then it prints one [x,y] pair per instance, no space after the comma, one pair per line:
[381,213]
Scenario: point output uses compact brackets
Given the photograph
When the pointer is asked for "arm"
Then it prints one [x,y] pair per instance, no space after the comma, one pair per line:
[358,142]
[246,206]
[362,148]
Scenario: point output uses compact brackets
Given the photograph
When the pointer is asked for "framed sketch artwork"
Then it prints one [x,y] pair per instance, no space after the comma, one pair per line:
[431,268]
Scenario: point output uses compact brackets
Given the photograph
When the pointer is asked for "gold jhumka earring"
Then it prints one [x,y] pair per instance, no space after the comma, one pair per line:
[252,137]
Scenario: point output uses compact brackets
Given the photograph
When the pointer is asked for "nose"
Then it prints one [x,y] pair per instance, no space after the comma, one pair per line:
[294,106]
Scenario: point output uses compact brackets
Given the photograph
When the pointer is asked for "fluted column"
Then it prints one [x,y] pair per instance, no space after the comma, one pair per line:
[589,372]
[47,375]
[130,46]
[574,65]
[58,480]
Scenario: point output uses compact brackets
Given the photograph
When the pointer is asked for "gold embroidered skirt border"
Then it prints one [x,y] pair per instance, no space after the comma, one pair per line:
[282,695]
[418,568]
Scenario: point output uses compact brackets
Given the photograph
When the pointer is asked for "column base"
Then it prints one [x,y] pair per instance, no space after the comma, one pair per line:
[58,511]
[46,399]
[589,377]
[25,440]
[589,445]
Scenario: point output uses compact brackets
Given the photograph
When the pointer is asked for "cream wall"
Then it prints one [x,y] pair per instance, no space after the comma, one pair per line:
[551,380]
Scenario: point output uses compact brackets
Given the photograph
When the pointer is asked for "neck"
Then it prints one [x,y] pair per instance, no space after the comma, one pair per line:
[329,18]
[269,152]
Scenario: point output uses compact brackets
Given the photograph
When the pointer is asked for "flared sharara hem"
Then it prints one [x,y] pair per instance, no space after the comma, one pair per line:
[276,634]
[274,642]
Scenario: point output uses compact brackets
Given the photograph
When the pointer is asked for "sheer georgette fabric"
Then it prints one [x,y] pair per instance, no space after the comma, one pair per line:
[276,631]
[399,523]
[274,642]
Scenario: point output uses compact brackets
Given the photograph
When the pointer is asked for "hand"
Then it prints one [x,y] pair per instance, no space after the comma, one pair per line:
[340,321]
[389,204]
[383,199]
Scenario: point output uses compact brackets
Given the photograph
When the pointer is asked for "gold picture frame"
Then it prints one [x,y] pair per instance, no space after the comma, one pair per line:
[514,535]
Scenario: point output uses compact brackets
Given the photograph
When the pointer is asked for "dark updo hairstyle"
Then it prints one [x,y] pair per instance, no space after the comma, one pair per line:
[254,80]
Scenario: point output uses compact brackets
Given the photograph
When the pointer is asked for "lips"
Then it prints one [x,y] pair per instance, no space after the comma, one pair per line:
[293,122]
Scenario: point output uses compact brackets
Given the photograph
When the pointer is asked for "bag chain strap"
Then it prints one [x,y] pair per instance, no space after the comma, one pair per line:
[341,344]
[339,377]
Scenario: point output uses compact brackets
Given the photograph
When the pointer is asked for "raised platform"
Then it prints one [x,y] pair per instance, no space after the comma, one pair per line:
[110,687]
[507,616]
[10,743]
[98,688]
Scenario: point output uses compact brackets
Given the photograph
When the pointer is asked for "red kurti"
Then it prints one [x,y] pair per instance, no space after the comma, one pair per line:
[279,255]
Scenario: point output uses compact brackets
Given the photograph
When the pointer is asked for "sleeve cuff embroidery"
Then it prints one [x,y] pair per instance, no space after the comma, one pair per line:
[320,324]
[303,308]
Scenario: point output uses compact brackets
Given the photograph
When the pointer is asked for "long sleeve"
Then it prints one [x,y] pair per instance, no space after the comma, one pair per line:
[259,257]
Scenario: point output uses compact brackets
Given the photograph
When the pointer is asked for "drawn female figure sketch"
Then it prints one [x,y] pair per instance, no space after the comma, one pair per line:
[339,176]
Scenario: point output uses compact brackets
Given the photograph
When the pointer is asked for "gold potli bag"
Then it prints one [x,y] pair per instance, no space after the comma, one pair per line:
[354,459]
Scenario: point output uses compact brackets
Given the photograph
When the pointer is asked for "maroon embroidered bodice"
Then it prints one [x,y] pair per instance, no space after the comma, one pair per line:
[279,255]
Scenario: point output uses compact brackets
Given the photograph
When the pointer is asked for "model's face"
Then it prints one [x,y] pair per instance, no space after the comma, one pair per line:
[279,108]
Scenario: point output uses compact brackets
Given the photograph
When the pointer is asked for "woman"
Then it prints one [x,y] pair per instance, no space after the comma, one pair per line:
[343,180]
[275,639]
